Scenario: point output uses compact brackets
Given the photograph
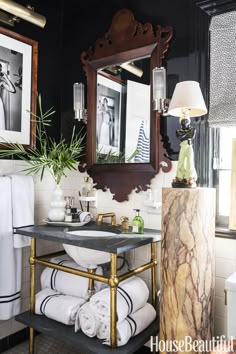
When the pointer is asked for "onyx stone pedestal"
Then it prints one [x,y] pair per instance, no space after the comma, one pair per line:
[187,264]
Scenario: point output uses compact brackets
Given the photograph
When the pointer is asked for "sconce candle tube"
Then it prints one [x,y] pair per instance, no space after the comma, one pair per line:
[78,95]
[23,12]
[159,88]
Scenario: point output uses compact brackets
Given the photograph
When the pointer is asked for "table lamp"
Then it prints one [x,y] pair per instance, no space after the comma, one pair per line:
[187,101]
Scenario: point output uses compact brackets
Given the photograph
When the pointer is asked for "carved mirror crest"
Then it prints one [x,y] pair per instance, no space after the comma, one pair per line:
[124,148]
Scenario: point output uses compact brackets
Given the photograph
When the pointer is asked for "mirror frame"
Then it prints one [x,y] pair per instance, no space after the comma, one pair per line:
[126,40]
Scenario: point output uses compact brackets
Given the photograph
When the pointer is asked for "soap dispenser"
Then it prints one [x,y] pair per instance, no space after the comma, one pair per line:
[137,223]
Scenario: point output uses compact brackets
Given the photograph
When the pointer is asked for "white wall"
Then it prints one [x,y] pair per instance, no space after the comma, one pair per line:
[225,249]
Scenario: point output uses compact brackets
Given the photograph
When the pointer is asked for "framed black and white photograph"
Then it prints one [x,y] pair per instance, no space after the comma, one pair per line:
[108,128]
[18,80]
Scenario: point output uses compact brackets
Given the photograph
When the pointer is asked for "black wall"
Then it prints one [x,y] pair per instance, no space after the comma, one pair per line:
[74,25]
[85,21]
[49,59]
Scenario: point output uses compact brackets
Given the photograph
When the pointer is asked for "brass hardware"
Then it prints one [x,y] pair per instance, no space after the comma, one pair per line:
[225,291]
[113,296]
[100,218]
[113,281]
[72,270]
[32,290]
[91,288]
[135,271]
[154,274]
[26,13]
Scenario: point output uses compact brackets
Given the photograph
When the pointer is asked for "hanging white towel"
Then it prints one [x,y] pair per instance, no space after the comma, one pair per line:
[58,307]
[10,258]
[132,294]
[66,283]
[132,325]
[87,321]
[22,206]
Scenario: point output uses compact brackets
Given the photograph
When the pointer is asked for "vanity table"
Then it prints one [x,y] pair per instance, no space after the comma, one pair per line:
[115,245]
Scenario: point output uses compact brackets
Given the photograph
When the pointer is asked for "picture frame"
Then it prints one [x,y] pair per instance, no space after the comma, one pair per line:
[109,114]
[18,88]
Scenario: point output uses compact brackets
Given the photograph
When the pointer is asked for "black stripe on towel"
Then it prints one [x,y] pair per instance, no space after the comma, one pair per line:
[44,303]
[4,302]
[130,304]
[131,328]
[18,292]
[53,275]
[135,325]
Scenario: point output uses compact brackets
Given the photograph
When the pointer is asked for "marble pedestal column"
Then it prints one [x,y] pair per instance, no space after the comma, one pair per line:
[187,264]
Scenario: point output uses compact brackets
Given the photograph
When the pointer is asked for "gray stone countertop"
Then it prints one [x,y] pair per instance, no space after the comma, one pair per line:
[119,243]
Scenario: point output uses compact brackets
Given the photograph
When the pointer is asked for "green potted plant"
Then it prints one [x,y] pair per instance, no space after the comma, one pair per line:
[56,157]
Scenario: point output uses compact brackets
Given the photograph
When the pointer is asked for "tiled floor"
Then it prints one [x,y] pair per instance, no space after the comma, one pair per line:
[48,345]
[44,345]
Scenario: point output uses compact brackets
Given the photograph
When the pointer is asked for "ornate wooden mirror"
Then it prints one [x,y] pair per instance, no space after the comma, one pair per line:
[124,148]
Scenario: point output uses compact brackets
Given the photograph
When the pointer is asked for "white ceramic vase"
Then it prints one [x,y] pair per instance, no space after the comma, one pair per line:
[57,205]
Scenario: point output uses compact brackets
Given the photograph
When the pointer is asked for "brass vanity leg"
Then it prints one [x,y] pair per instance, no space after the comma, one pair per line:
[32,290]
[113,296]
[154,273]
[91,288]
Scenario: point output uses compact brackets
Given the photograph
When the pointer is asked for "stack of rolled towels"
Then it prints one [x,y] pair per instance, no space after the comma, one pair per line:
[64,291]
[134,313]
[64,298]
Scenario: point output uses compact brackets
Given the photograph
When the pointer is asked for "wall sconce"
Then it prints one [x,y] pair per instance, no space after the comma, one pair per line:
[19,11]
[160,102]
[187,101]
[78,98]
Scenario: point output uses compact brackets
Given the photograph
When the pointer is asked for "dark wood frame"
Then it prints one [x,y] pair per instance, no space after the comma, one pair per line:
[127,39]
[34,61]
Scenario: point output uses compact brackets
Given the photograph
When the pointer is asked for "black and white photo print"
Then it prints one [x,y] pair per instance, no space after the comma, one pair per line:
[10,89]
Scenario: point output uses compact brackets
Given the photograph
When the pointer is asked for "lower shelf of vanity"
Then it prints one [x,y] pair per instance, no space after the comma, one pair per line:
[79,340]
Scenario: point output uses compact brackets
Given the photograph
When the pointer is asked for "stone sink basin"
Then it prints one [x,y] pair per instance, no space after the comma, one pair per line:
[86,257]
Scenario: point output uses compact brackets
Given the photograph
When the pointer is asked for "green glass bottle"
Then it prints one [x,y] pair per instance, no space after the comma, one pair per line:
[137,223]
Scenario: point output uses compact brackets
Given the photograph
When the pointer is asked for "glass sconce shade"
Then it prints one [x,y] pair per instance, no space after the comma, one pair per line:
[159,88]
[78,95]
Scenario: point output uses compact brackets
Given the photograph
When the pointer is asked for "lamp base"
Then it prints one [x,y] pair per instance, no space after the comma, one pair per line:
[184,183]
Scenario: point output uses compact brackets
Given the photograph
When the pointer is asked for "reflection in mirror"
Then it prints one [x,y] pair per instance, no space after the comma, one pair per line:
[123,113]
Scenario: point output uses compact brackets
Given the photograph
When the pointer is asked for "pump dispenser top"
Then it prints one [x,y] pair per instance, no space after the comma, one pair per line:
[137,223]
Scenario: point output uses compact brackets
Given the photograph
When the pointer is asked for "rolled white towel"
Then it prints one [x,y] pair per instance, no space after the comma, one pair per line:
[62,308]
[132,294]
[87,321]
[132,325]
[66,283]
[84,216]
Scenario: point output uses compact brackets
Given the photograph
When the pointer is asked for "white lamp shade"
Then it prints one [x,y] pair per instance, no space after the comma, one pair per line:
[187,95]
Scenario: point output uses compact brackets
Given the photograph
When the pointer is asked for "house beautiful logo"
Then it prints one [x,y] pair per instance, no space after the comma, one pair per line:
[188,345]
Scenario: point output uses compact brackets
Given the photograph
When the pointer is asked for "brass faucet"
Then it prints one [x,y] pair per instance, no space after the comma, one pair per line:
[100,218]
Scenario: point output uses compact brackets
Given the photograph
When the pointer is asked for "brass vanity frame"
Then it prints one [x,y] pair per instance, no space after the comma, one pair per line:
[113,281]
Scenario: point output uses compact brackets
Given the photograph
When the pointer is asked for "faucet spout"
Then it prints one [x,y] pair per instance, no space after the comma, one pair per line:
[100,218]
